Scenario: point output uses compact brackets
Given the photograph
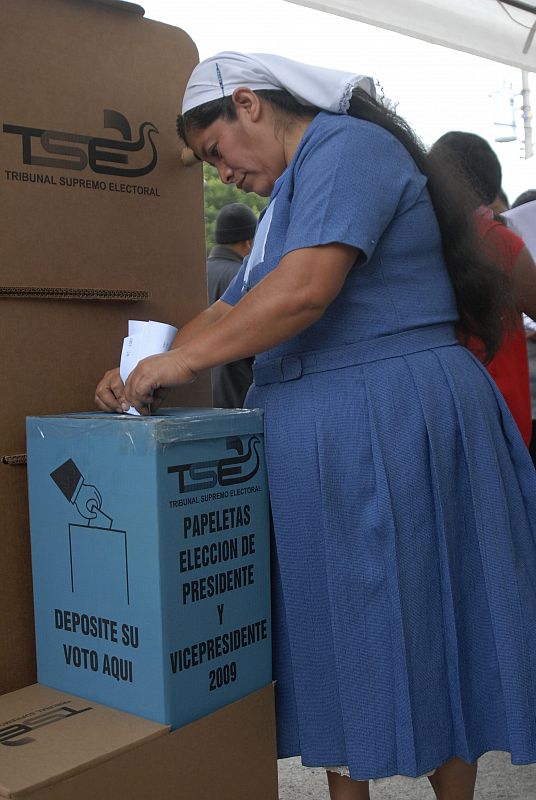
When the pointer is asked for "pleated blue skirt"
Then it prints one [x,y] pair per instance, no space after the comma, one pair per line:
[404,568]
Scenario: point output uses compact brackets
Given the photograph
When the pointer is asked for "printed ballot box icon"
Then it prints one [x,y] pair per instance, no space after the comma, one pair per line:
[98,553]
[98,559]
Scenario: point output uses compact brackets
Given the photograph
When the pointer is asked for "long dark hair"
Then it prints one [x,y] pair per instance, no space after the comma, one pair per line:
[483,291]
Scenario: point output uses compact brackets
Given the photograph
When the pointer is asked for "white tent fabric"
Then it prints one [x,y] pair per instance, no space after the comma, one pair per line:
[489,28]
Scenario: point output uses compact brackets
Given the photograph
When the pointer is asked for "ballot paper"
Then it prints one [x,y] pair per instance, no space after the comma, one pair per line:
[522,220]
[529,325]
[145,338]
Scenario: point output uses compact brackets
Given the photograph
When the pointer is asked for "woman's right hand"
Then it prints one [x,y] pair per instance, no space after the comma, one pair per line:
[110,393]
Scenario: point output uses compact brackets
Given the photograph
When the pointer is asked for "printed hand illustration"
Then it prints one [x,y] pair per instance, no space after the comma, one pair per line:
[87,499]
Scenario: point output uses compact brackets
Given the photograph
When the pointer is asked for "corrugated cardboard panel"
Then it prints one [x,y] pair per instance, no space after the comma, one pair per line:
[90,96]
[229,755]
[94,197]
[17,653]
[47,736]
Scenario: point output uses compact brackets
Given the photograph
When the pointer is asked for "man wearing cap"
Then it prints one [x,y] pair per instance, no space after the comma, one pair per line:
[235,228]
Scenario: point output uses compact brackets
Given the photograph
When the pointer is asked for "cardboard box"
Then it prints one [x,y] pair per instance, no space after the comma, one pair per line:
[100,223]
[55,746]
[150,552]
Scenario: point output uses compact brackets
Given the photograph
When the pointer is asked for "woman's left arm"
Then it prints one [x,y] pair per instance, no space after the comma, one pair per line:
[289,299]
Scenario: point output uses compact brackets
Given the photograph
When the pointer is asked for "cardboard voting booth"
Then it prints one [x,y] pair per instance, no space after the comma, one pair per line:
[100,223]
[56,746]
[150,551]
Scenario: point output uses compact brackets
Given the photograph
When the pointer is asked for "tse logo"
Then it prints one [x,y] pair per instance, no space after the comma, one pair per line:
[100,154]
[225,471]
[16,734]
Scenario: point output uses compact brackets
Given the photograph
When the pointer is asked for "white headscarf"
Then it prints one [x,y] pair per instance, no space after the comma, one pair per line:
[220,75]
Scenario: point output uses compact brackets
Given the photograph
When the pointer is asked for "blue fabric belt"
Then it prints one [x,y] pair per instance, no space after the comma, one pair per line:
[292,367]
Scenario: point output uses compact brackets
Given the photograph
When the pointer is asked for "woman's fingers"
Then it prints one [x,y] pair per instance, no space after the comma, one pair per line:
[147,383]
[140,386]
[110,392]
[158,398]
[146,386]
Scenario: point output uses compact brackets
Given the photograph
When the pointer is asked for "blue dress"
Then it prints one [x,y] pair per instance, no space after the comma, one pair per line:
[403,497]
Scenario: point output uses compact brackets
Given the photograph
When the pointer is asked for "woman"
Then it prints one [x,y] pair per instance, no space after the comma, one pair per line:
[401,491]
[477,164]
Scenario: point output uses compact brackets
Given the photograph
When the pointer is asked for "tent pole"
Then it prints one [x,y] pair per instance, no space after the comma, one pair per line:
[519,4]
[527,115]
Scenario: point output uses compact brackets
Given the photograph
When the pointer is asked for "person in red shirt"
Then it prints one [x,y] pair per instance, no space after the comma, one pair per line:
[478,164]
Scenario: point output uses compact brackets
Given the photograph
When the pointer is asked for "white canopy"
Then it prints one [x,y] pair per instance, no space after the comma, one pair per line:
[502,30]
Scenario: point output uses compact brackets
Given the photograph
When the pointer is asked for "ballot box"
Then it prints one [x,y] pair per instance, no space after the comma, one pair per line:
[150,558]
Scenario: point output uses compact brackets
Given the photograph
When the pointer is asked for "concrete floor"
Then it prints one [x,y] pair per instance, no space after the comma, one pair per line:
[497,780]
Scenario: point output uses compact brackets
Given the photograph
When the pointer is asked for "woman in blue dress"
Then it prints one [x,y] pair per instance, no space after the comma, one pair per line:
[403,498]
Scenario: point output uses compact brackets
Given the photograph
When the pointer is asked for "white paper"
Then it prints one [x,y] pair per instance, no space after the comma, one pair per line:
[135,326]
[145,338]
[529,325]
[522,220]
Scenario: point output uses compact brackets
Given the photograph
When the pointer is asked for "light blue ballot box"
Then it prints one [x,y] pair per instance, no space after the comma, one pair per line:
[150,558]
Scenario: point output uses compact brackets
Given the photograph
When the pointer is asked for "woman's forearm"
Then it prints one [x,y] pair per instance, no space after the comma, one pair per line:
[203,320]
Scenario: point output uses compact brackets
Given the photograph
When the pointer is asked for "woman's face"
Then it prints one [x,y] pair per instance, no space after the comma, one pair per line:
[246,150]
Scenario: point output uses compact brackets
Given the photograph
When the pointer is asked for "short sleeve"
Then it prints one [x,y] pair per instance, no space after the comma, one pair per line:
[233,293]
[351,179]
[502,242]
